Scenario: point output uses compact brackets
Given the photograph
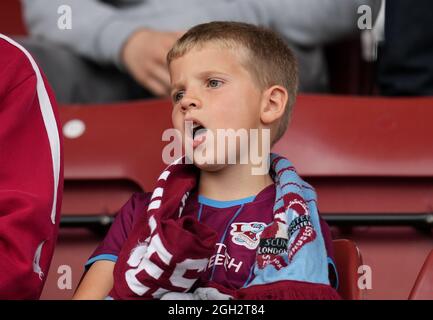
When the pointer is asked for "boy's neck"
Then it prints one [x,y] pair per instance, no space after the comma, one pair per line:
[231,183]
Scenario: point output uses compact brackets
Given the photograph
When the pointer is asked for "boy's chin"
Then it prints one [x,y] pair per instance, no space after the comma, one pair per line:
[206,165]
[210,167]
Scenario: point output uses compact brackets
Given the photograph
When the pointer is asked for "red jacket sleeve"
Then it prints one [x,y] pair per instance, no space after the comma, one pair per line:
[31,174]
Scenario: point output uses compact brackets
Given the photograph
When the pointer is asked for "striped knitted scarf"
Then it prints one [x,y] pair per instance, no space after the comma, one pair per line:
[166,253]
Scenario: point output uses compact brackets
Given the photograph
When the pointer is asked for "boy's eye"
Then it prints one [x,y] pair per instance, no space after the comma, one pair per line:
[213,83]
[177,96]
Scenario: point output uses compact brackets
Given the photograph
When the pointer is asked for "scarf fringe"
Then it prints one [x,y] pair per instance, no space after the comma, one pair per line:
[289,290]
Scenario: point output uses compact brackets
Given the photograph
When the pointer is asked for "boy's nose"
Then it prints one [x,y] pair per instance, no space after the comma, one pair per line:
[189,102]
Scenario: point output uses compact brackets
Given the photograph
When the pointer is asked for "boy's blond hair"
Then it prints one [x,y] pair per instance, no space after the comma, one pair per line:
[269,60]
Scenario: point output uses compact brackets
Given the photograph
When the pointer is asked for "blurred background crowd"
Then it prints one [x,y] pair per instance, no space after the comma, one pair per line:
[114,50]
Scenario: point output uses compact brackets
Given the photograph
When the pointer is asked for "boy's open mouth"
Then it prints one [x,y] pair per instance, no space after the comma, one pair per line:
[198,134]
[196,128]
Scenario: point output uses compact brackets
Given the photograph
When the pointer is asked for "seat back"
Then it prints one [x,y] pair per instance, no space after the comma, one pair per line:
[111,151]
[363,155]
[423,287]
[11,19]
[347,259]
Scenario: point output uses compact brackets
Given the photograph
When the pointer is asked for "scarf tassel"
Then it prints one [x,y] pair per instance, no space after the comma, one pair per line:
[288,290]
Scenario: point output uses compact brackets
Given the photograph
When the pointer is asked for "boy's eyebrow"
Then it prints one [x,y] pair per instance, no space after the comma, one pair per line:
[201,75]
[176,87]
[208,73]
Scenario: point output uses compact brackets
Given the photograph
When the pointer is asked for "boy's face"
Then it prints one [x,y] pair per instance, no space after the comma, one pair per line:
[212,88]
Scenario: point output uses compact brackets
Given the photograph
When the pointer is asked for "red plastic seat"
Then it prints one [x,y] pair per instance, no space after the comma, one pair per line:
[364,155]
[118,153]
[423,287]
[348,259]
[11,20]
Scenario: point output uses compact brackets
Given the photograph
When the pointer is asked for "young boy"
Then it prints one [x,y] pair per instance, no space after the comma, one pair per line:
[214,229]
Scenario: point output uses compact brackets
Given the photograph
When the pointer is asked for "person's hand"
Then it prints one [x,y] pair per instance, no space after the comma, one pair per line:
[144,55]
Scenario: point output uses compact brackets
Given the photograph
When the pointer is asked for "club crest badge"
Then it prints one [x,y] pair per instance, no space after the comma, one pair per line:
[273,246]
[247,234]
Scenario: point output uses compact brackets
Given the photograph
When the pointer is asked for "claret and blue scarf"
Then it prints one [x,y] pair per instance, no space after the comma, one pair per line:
[166,253]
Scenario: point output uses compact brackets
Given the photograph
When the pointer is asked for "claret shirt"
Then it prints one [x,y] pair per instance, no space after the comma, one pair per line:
[31,173]
[238,224]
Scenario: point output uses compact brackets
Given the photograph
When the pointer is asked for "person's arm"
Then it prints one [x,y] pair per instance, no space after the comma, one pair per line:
[97,282]
[98,279]
[31,174]
[89,36]
[151,72]
[313,23]
[103,34]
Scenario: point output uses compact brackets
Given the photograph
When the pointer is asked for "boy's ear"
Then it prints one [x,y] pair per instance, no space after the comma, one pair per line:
[274,103]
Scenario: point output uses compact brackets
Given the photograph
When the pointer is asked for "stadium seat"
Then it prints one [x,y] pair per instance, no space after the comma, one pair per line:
[348,259]
[364,155]
[11,20]
[111,151]
[423,287]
